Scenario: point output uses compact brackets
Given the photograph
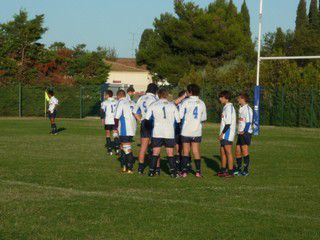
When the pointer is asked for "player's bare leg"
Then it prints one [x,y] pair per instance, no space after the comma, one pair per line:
[145,142]
[185,158]
[197,157]
[238,160]
[228,152]
[223,157]
[53,126]
[153,162]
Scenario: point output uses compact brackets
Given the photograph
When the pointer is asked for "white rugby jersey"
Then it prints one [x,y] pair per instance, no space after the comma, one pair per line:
[193,112]
[127,123]
[228,116]
[143,104]
[109,108]
[53,102]
[245,119]
[164,115]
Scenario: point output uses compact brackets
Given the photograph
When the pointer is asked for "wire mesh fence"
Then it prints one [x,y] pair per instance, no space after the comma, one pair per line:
[280,106]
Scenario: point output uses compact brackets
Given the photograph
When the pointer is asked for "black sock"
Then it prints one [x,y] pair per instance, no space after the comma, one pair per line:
[184,163]
[246,161]
[197,162]
[116,143]
[54,128]
[172,165]
[178,162]
[153,163]
[189,162]
[223,170]
[123,159]
[141,167]
[108,143]
[239,163]
[130,161]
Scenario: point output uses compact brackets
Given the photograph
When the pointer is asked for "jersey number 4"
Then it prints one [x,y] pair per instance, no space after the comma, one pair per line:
[195,113]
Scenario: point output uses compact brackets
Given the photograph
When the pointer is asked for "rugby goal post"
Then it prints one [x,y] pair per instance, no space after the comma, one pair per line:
[257,90]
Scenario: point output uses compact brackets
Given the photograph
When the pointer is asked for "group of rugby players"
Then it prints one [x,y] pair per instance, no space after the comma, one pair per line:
[176,125]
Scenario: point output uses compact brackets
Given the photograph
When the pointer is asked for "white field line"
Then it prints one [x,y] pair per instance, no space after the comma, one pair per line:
[148,199]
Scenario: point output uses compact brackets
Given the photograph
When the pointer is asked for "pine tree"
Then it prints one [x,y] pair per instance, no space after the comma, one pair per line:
[314,14]
[232,9]
[302,18]
[246,18]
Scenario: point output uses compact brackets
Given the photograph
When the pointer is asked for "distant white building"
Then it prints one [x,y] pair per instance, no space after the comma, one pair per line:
[124,71]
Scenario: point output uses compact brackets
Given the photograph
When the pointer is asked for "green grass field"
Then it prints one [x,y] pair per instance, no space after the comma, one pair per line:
[65,187]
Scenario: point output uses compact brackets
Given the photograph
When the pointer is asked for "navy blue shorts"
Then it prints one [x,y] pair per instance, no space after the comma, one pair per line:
[52,115]
[244,139]
[225,142]
[125,139]
[191,139]
[177,139]
[110,127]
[159,142]
[146,129]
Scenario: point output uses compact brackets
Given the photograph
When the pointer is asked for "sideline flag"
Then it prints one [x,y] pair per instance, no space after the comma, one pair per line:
[256,111]
[46,96]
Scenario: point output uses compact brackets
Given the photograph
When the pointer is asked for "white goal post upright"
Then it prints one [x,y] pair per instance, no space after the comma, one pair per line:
[257,90]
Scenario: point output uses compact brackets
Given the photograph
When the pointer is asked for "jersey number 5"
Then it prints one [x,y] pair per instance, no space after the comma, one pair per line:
[144,105]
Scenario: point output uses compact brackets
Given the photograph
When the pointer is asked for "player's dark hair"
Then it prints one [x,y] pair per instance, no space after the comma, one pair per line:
[225,94]
[50,92]
[121,93]
[152,88]
[130,89]
[182,93]
[109,93]
[194,89]
[245,96]
[163,93]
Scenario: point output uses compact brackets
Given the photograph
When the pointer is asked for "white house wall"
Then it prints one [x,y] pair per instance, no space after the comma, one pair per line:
[139,80]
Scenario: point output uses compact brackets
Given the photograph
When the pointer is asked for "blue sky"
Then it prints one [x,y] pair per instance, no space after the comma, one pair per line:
[111,23]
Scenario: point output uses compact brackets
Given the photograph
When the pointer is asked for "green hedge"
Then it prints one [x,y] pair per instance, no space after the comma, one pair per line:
[280,106]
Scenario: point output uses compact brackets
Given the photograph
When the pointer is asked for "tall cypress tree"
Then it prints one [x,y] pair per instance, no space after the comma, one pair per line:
[302,18]
[232,9]
[246,18]
[314,14]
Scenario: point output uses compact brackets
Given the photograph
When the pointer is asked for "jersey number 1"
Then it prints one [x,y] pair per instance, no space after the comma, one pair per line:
[164,113]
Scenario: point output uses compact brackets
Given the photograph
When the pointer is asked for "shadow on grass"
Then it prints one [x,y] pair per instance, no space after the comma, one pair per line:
[59,130]
[213,163]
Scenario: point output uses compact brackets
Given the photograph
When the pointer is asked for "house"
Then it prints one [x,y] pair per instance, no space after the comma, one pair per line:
[124,71]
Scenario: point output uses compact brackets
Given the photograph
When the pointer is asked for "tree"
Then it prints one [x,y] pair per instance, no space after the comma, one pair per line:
[314,14]
[302,17]
[193,37]
[21,35]
[246,19]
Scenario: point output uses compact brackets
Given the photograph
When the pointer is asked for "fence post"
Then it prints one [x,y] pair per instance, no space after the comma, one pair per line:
[282,106]
[20,100]
[311,108]
[81,102]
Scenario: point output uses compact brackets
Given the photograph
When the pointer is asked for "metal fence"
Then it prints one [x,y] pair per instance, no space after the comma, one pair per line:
[280,106]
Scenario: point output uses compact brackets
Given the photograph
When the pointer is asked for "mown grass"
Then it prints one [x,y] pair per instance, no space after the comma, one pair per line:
[65,187]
